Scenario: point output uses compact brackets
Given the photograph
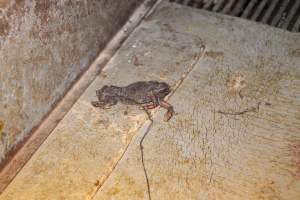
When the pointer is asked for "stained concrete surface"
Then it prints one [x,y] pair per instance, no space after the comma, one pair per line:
[44,46]
[207,152]
[235,135]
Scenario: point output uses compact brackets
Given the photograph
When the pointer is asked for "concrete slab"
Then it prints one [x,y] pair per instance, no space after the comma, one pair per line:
[237,132]
[85,147]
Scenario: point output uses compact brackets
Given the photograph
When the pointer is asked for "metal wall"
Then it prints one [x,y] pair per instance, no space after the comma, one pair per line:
[44,46]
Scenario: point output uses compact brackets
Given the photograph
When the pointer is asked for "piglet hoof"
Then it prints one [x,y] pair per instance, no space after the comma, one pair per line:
[100,105]
[106,107]
[96,103]
[168,115]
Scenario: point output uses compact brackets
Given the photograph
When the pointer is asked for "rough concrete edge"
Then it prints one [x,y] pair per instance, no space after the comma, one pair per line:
[24,151]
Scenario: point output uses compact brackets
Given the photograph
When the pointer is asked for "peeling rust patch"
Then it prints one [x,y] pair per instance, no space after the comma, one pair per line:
[1,128]
[42,10]
[4,3]
[16,9]
[4,27]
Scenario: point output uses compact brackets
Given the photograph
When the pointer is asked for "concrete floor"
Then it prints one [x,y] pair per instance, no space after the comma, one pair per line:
[236,134]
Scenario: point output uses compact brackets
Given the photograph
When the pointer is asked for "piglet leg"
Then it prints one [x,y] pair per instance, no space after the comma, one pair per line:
[156,101]
[170,109]
[150,106]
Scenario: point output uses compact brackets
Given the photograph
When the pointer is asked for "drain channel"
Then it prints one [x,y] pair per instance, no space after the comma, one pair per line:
[284,14]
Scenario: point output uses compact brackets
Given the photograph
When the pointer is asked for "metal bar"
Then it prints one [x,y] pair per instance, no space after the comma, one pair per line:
[194,4]
[199,4]
[228,6]
[280,12]
[208,4]
[185,2]
[259,9]
[296,27]
[239,7]
[268,13]
[248,9]
[291,15]
[218,5]
[191,3]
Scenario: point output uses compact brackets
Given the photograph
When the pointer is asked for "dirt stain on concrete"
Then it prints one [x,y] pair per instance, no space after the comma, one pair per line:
[126,186]
[214,54]
[295,153]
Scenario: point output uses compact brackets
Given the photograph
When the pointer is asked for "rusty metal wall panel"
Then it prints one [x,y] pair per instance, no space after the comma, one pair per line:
[44,47]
